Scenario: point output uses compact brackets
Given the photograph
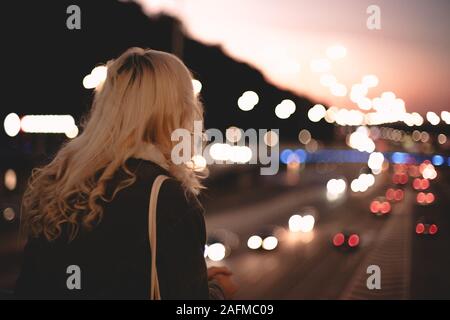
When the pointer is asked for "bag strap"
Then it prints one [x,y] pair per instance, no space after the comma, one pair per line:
[154,284]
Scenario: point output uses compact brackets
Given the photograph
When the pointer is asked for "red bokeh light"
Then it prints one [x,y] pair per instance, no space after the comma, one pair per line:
[421,197]
[400,178]
[399,194]
[375,206]
[420,228]
[353,240]
[417,184]
[403,179]
[429,198]
[390,194]
[421,184]
[396,179]
[385,207]
[433,229]
[338,239]
[414,171]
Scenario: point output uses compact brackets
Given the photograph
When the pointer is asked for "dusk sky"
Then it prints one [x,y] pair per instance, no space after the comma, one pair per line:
[409,55]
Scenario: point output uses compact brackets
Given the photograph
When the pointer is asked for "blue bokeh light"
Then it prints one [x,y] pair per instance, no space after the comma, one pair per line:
[399,157]
[285,155]
[301,155]
[437,160]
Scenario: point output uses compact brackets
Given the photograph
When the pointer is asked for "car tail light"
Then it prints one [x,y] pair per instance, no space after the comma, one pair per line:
[375,206]
[433,229]
[353,240]
[399,194]
[403,179]
[390,194]
[413,171]
[385,207]
[417,184]
[396,179]
[420,228]
[338,239]
[429,198]
[421,197]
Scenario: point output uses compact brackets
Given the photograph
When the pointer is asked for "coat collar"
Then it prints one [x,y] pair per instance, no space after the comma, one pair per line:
[151,153]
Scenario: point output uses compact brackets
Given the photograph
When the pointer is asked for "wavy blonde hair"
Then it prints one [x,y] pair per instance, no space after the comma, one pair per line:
[147,94]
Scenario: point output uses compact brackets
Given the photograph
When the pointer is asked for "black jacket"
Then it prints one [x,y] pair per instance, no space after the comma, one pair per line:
[114,258]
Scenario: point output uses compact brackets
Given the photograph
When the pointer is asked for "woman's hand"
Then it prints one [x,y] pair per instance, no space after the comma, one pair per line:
[223,276]
[214,271]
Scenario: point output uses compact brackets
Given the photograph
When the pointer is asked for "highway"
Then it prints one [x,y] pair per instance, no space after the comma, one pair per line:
[308,266]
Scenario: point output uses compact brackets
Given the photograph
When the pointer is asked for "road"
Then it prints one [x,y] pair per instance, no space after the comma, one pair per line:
[309,267]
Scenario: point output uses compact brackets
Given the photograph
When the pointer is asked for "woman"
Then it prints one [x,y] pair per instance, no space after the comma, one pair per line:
[87,211]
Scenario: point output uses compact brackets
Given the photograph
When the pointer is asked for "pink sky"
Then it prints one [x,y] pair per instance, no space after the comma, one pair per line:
[410,54]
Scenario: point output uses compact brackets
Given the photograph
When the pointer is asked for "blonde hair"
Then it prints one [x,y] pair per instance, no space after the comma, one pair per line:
[147,94]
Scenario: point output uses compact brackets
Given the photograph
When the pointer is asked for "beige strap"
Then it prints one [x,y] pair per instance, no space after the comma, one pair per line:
[154,284]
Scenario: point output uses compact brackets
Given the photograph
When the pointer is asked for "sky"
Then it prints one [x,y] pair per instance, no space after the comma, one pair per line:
[409,54]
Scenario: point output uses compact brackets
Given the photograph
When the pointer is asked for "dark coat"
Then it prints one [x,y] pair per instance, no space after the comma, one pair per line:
[114,258]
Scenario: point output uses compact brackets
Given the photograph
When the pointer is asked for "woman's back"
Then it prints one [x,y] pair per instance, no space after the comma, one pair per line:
[87,210]
[114,258]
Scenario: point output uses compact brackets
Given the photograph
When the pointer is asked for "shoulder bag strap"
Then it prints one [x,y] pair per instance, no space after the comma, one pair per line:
[154,284]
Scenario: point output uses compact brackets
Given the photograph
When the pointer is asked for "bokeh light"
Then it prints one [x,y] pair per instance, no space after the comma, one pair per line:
[11,124]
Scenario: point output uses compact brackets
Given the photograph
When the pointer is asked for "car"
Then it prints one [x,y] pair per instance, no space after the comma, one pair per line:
[395,194]
[265,239]
[400,178]
[380,206]
[302,223]
[421,184]
[425,227]
[346,240]
[425,198]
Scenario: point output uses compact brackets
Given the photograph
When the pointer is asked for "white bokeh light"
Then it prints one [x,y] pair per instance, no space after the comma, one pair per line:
[370,81]
[254,242]
[197,86]
[270,243]
[216,252]
[285,109]
[96,77]
[10,179]
[271,138]
[320,65]
[11,124]
[336,52]
[317,113]
[433,118]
